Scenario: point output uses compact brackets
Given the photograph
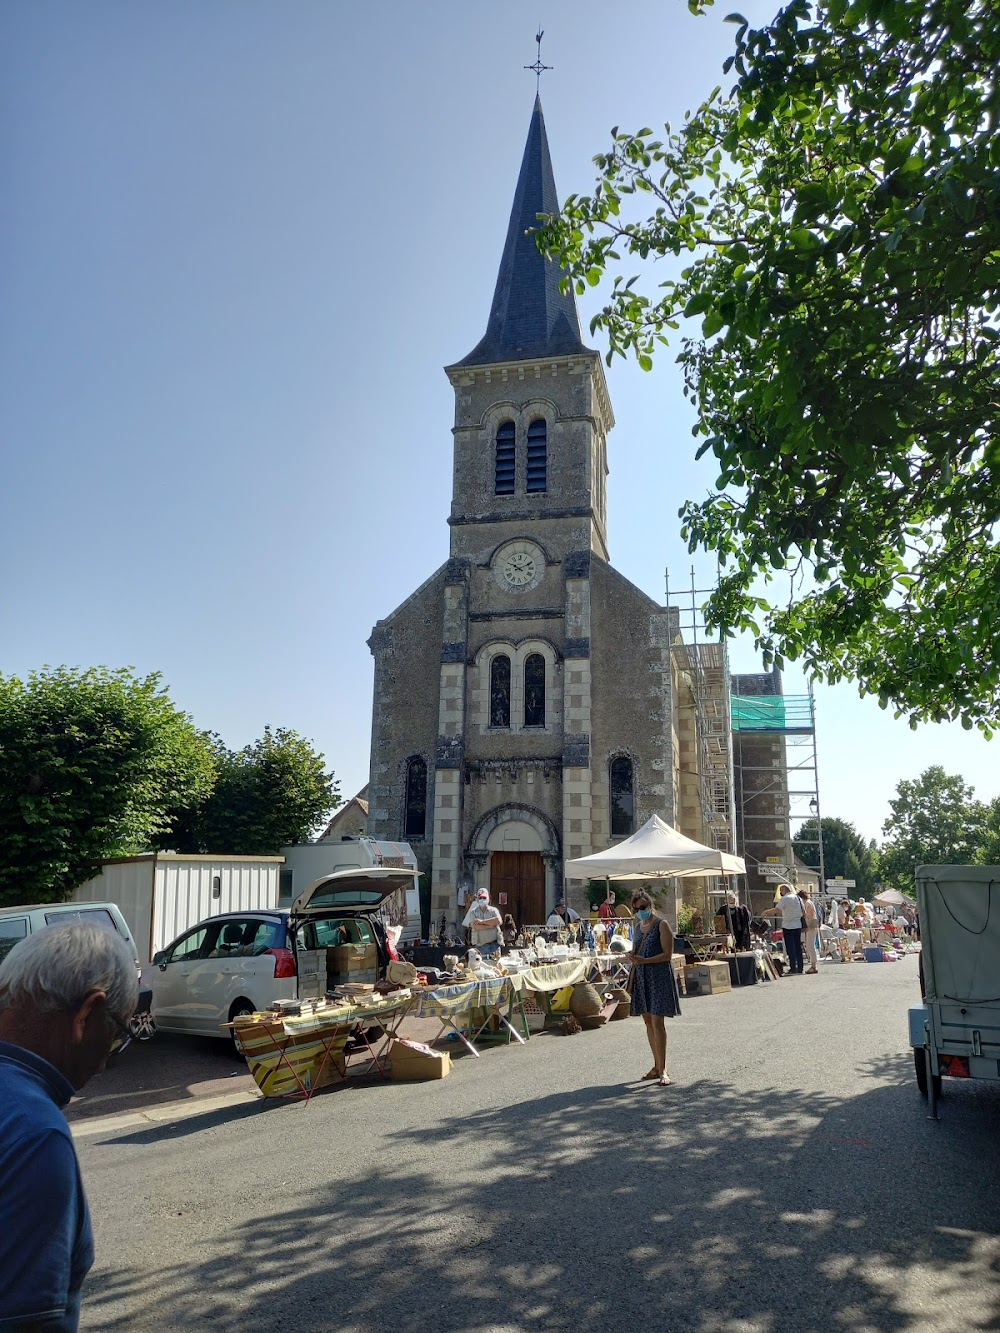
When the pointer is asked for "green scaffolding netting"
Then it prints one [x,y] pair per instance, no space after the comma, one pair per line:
[776,712]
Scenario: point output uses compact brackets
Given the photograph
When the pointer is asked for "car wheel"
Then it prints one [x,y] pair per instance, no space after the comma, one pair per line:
[240,1009]
[142,1026]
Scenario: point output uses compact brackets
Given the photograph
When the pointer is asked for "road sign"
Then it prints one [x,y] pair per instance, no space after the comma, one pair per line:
[773,860]
[773,871]
[841,883]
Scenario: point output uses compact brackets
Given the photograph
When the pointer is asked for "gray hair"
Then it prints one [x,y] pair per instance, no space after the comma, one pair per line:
[57,968]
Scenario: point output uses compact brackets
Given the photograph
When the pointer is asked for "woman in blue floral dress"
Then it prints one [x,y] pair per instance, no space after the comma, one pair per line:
[654,989]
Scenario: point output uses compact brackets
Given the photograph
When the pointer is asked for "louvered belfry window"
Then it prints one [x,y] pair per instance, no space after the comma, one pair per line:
[504,483]
[500,691]
[537,456]
[622,800]
[534,690]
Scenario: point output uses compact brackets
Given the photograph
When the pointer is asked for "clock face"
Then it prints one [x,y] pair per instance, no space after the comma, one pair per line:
[519,569]
[519,566]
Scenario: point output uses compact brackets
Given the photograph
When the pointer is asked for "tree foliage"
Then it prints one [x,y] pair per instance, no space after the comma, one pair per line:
[934,820]
[845,852]
[839,214]
[90,764]
[266,795]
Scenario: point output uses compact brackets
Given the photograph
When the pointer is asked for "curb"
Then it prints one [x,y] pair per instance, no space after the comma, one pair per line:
[159,1115]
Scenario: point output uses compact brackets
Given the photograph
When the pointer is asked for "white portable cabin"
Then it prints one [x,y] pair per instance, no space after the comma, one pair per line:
[161,894]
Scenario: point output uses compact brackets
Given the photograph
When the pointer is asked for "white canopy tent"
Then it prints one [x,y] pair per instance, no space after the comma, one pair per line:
[656,851]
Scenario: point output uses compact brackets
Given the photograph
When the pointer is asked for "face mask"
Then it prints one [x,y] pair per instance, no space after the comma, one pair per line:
[643,913]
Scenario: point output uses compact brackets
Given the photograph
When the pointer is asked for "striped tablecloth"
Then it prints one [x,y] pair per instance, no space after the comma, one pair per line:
[303,1052]
[447,1001]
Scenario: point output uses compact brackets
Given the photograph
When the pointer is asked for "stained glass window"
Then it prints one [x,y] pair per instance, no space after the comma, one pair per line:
[534,690]
[500,692]
[622,801]
[415,821]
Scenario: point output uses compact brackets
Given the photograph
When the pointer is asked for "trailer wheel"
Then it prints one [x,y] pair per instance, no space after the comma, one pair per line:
[920,1069]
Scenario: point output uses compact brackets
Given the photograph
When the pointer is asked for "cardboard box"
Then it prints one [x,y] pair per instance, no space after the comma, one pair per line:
[352,958]
[708,978]
[678,961]
[412,1062]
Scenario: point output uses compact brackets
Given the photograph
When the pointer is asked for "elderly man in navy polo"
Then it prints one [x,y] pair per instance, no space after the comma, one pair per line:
[66,995]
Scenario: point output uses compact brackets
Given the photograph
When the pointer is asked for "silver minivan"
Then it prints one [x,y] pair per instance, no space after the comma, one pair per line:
[17,923]
[239,962]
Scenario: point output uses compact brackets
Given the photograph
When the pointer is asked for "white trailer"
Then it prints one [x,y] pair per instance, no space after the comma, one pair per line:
[161,894]
[956,1031]
[307,862]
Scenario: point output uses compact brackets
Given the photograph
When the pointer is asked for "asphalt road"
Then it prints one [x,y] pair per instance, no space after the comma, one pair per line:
[788,1180]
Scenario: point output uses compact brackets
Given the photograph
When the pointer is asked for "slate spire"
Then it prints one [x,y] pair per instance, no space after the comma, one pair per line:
[530,317]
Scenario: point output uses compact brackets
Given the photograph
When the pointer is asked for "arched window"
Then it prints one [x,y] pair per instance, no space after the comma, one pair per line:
[500,691]
[537,451]
[415,818]
[622,802]
[534,690]
[504,483]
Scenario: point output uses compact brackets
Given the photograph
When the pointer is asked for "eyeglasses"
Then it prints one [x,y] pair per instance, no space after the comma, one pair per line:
[122,1034]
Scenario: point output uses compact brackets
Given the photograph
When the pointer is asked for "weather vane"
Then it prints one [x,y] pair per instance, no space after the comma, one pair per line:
[537,67]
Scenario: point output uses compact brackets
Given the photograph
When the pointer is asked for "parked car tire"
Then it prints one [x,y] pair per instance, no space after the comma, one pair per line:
[239,1009]
[142,1026]
[920,1068]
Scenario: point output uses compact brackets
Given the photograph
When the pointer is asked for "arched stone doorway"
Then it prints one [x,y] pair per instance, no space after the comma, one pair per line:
[515,850]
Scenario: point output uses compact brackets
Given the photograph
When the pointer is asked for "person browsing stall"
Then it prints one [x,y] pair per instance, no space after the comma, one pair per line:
[810,927]
[790,910]
[561,916]
[66,996]
[654,986]
[485,924]
[606,911]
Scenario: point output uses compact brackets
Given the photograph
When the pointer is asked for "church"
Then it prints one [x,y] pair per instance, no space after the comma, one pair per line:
[528,707]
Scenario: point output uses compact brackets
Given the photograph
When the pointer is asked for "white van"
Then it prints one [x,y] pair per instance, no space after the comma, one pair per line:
[17,923]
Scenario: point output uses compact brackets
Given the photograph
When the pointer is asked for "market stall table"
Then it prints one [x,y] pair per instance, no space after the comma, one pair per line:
[292,1054]
[466,1008]
[542,980]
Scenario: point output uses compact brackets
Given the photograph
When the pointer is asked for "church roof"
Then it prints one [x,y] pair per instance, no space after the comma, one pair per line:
[530,317]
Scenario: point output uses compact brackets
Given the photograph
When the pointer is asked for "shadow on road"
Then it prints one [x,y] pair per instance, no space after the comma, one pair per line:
[613,1208]
[154,1073]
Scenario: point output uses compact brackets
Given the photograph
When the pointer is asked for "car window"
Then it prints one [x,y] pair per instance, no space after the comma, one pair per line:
[195,944]
[347,930]
[263,935]
[246,937]
[12,929]
[97,916]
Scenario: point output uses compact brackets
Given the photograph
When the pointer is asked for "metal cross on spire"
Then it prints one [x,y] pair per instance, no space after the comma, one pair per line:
[537,67]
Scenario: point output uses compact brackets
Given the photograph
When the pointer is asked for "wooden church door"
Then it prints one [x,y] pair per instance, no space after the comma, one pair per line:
[520,876]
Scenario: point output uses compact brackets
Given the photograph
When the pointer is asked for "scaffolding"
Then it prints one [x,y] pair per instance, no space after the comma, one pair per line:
[704,664]
[755,755]
[777,785]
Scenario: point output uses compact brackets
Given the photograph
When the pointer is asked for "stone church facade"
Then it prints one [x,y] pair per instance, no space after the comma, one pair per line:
[526,708]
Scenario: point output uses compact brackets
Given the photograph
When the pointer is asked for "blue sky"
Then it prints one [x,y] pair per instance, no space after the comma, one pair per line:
[240,240]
